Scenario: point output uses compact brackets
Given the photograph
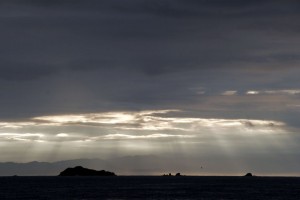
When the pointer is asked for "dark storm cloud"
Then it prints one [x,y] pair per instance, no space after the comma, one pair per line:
[159,40]
[24,71]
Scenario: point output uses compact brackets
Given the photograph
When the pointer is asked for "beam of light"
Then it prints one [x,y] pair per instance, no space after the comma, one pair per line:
[146,132]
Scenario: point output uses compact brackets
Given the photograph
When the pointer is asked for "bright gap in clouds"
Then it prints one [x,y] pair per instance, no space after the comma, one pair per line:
[155,121]
[151,124]
[156,132]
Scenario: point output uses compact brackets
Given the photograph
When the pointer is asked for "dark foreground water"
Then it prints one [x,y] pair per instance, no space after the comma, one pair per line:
[149,188]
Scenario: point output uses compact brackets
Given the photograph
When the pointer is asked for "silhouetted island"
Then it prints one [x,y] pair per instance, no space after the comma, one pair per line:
[249,175]
[80,171]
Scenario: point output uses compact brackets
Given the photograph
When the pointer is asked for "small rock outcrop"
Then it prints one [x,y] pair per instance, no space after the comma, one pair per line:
[178,174]
[81,171]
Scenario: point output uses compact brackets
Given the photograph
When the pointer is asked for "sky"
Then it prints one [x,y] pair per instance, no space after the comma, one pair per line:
[213,83]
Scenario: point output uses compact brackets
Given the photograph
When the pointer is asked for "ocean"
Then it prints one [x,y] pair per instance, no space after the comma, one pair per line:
[150,187]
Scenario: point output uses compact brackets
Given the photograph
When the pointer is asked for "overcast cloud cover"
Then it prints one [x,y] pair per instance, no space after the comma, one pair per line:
[215,82]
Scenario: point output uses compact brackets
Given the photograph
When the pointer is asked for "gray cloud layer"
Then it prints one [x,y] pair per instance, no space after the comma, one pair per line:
[131,54]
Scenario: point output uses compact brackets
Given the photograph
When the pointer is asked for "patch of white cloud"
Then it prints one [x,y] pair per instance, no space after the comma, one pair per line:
[151,136]
[198,90]
[294,105]
[272,92]
[28,137]
[291,92]
[62,135]
[16,125]
[252,92]
[229,92]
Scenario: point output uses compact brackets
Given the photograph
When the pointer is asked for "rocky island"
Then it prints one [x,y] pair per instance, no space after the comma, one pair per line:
[248,175]
[177,174]
[81,171]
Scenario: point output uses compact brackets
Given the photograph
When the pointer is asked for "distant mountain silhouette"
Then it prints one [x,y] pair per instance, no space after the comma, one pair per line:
[81,171]
[126,165]
[48,168]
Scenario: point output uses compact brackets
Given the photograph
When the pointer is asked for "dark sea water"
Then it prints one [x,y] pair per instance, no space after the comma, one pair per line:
[149,188]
